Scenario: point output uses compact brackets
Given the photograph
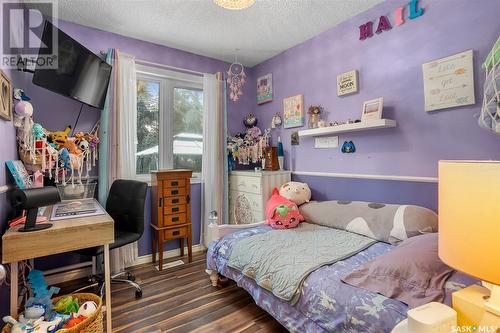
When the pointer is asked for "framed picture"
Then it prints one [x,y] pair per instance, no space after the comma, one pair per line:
[449,82]
[347,83]
[372,109]
[5,96]
[265,89]
[293,111]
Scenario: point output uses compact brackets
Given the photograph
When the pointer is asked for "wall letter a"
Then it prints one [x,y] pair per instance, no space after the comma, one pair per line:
[366,30]
[383,24]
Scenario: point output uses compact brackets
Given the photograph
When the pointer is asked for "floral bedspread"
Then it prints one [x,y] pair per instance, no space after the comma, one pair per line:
[326,303]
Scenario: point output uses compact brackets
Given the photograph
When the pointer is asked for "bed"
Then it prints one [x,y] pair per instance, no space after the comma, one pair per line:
[326,304]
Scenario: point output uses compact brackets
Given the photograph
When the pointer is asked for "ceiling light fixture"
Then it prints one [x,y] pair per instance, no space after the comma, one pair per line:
[234,4]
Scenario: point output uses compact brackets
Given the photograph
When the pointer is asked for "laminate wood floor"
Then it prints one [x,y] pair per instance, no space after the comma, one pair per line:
[181,299]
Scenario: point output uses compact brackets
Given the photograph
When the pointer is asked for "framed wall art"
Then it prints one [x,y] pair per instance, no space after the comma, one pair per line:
[449,82]
[347,83]
[293,111]
[372,109]
[5,96]
[265,89]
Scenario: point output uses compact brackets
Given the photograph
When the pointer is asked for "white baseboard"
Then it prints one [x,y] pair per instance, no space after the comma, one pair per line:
[167,254]
[365,176]
[64,275]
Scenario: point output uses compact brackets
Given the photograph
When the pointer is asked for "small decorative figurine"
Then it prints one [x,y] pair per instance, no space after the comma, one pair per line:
[314,111]
[321,123]
[276,121]
[335,123]
[250,121]
[348,147]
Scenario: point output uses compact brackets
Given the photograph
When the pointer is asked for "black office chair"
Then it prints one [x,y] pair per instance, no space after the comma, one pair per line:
[125,204]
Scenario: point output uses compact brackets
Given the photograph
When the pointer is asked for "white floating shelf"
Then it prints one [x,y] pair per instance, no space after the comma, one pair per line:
[355,127]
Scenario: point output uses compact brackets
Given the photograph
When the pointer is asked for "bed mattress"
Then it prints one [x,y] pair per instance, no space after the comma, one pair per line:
[326,303]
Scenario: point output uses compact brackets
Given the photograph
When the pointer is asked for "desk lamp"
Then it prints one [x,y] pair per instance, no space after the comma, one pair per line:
[469,226]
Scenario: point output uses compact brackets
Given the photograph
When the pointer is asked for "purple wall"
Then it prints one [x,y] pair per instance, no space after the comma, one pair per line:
[389,66]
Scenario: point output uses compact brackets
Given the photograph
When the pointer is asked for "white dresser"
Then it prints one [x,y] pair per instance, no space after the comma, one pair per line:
[249,192]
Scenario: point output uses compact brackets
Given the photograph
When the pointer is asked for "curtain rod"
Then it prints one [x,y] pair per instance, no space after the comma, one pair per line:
[145,62]
[155,64]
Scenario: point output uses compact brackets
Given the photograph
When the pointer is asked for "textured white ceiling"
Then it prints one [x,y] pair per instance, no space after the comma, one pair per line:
[199,26]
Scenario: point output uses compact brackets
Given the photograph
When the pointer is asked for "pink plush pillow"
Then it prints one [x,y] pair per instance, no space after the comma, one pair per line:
[282,213]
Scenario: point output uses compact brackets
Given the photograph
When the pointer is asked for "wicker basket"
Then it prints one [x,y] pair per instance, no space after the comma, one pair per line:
[92,324]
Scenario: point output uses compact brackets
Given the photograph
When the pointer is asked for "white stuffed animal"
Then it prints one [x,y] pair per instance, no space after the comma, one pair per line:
[296,192]
[87,309]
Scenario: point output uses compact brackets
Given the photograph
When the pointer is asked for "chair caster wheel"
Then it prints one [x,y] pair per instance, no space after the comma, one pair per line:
[138,293]
[130,277]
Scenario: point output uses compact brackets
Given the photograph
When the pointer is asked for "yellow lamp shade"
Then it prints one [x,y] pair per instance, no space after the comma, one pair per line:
[469,217]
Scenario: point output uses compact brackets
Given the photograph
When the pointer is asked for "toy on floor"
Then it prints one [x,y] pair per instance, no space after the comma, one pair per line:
[32,325]
[282,213]
[87,309]
[41,294]
[60,318]
[296,192]
[67,305]
[74,320]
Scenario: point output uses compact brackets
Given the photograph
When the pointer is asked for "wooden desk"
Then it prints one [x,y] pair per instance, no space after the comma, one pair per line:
[64,236]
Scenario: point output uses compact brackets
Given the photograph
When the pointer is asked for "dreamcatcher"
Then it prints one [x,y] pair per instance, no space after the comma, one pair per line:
[490,111]
[235,79]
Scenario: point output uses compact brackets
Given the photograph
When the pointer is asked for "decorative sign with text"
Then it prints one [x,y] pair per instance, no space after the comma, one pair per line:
[347,83]
[449,82]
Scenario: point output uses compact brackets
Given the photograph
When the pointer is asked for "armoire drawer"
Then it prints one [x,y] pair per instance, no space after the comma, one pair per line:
[174,191]
[174,201]
[174,183]
[245,184]
[175,209]
[174,219]
[175,232]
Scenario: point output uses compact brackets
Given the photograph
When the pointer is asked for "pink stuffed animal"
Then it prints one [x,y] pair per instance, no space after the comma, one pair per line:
[282,213]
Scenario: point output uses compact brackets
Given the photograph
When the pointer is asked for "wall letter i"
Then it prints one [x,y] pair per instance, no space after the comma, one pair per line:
[398,13]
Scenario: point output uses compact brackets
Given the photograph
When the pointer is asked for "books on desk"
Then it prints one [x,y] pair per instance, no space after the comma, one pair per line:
[76,208]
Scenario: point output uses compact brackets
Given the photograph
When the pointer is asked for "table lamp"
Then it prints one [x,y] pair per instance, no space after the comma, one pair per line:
[469,225]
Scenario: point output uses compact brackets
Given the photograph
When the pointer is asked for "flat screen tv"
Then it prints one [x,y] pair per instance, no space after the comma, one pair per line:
[80,74]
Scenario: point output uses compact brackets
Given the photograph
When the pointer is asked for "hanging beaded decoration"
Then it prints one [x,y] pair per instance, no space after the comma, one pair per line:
[235,79]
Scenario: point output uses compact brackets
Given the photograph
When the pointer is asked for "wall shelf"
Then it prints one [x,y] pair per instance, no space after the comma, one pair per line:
[355,127]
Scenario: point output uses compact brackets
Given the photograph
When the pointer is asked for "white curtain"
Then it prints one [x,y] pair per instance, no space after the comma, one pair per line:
[213,152]
[126,142]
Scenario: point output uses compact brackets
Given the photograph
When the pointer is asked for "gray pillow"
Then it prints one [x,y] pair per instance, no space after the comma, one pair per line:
[383,222]
[411,272]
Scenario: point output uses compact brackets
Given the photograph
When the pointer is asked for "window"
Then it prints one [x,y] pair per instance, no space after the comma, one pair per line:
[169,121]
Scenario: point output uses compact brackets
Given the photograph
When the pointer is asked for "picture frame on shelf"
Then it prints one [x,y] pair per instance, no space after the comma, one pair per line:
[265,89]
[293,111]
[5,96]
[372,109]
